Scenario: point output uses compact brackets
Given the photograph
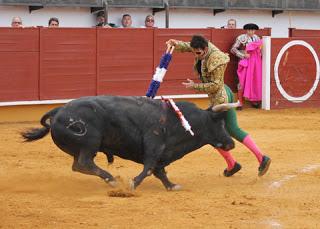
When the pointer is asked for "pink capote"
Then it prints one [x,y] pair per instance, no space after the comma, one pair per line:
[250,72]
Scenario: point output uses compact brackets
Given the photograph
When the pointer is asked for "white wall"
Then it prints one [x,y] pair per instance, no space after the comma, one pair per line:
[68,16]
[205,18]
[179,18]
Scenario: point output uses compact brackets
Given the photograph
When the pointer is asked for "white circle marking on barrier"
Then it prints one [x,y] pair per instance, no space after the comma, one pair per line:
[276,75]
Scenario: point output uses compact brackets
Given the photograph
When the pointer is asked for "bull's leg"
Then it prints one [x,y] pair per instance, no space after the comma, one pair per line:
[147,171]
[160,173]
[153,149]
[84,163]
[110,158]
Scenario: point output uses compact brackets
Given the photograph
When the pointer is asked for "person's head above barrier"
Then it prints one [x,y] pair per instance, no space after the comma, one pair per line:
[232,24]
[126,21]
[53,22]
[251,28]
[101,20]
[16,22]
[149,21]
[199,46]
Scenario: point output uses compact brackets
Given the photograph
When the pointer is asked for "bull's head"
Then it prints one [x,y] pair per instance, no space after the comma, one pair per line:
[222,138]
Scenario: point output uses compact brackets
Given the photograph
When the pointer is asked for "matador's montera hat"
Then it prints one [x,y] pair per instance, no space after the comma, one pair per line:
[251,26]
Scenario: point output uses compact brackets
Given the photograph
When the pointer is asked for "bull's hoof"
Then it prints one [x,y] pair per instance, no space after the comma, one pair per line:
[149,173]
[175,187]
[132,185]
[112,183]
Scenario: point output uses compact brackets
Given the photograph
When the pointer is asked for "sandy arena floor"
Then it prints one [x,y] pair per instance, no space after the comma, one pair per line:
[39,190]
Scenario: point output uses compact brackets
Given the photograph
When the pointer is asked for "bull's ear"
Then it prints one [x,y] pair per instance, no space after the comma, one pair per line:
[225,106]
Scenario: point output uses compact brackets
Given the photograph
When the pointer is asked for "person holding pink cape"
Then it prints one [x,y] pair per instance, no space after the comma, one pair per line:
[247,48]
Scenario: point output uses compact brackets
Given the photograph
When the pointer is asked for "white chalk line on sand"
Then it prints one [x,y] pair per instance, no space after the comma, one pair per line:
[277,184]
[306,169]
[272,223]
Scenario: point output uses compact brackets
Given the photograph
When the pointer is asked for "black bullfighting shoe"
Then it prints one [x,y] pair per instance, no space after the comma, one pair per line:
[234,170]
[255,105]
[264,166]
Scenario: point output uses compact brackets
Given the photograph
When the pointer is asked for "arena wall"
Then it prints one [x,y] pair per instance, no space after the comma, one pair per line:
[41,65]
[66,63]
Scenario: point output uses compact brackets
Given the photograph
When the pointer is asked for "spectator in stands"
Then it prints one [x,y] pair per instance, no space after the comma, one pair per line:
[149,21]
[249,86]
[210,64]
[16,22]
[53,22]
[101,21]
[231,24]
[126,21]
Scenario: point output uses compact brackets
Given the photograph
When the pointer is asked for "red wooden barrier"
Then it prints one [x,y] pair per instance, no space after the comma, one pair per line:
[19,64]
[125,61]
[296,73]
[303,32]
[74,62]
[67,63]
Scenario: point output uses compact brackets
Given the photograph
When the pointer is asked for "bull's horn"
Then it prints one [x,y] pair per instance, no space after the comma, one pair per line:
[225,106]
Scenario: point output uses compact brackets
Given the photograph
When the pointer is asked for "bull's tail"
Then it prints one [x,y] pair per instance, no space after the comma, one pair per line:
[38,133]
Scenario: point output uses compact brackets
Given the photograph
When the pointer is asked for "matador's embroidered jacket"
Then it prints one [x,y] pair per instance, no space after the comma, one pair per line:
[213,67]
[239,46]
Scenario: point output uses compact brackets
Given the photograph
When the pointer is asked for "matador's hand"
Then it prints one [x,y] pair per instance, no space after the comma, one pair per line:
[171,42]
[188,84]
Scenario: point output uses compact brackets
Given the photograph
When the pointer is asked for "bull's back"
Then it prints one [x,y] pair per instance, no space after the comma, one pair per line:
[105,123]
[131,120]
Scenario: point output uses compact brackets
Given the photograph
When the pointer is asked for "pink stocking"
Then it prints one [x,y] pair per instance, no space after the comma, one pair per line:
[228,157]
[249,143]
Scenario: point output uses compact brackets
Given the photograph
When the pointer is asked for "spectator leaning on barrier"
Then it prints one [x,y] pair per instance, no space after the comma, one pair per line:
[240,49]
[210,64]
[53,22]
[126,21]
[16,22]
[149,21]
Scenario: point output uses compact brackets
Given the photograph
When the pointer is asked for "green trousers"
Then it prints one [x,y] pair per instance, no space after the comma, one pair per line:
[231,120]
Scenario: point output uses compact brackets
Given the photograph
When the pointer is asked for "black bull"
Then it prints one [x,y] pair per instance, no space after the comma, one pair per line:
[136,128]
